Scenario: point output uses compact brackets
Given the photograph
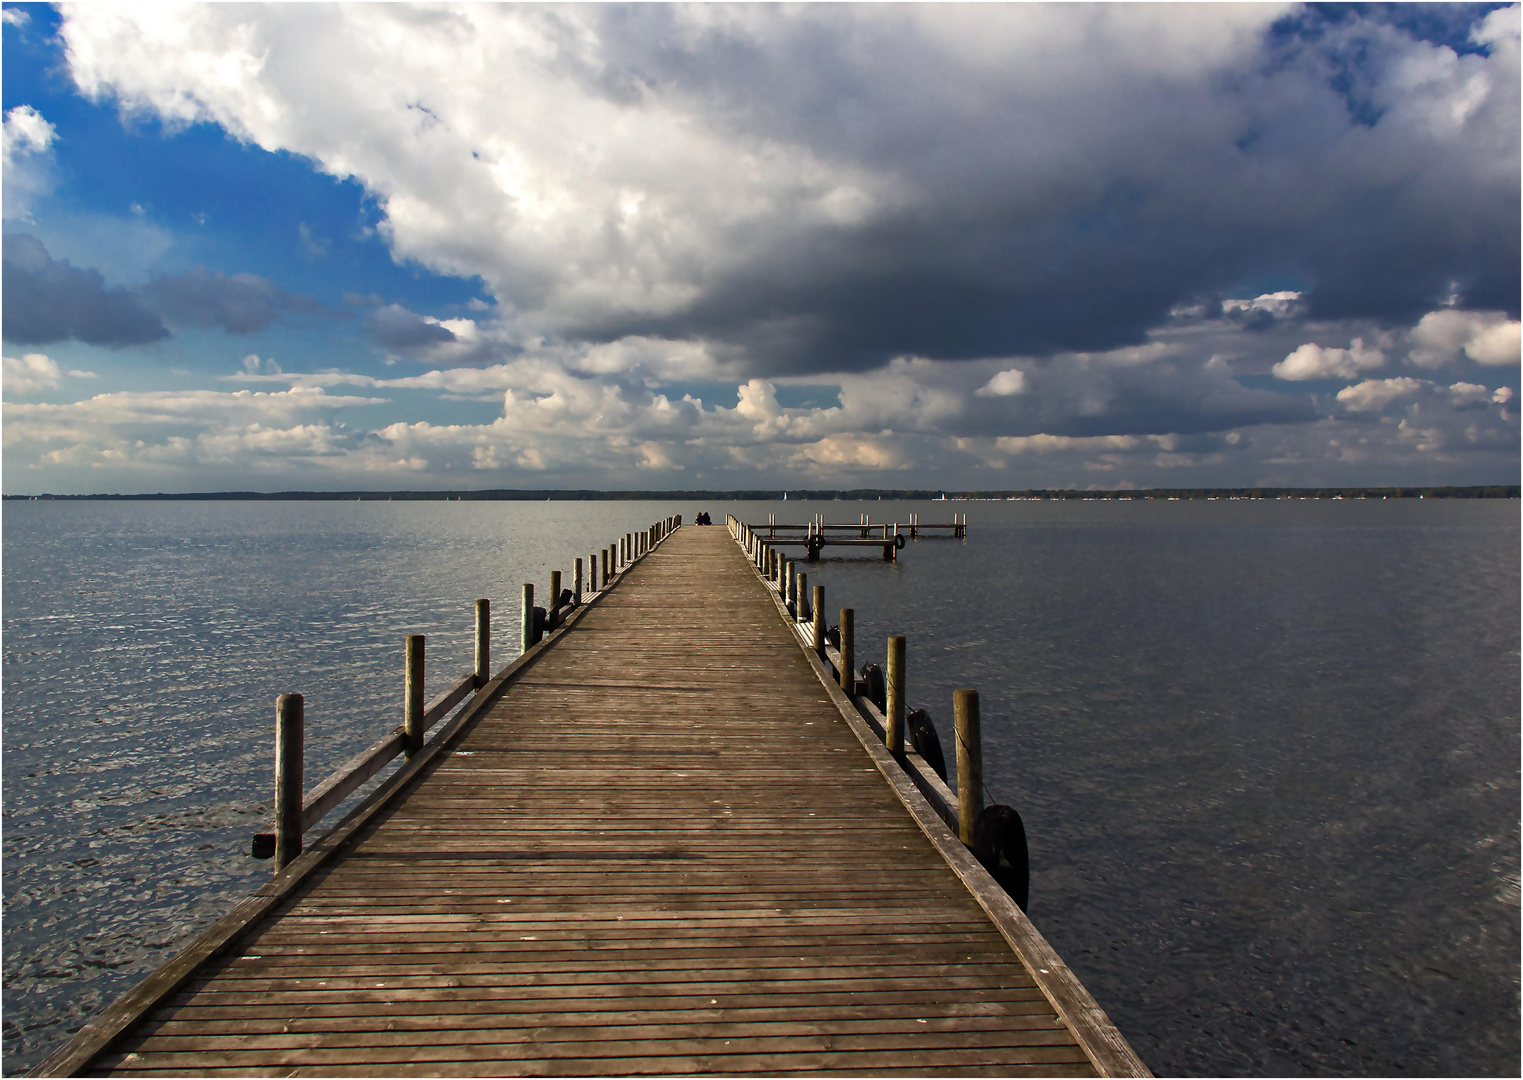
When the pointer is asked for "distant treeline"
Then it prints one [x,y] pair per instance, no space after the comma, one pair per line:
[1487,491]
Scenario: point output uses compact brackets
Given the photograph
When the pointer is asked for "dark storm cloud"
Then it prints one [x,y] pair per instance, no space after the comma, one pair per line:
[1069,208]
[47,299]
[394,327]
[1153,399]
[239,303]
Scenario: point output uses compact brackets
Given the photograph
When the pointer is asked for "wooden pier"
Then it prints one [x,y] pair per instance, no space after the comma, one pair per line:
[663,841]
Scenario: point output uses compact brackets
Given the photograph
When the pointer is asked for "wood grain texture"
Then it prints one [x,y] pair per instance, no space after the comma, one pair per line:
[663,851]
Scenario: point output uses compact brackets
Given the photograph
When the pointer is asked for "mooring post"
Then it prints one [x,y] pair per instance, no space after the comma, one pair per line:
[412,697]
[790,595]
[605,553]
[970,763]
[576,582]
[528,628]
[290,734]
[893,719]
[846,676]
[483,642]
[802,589]
[819,619]
[553,601]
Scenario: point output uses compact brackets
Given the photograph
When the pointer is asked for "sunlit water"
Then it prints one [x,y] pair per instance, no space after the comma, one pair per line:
[1267,753]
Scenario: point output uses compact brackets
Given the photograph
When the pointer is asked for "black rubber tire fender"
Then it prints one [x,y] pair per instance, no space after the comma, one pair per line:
[877,689]
[925,742]
[999,843]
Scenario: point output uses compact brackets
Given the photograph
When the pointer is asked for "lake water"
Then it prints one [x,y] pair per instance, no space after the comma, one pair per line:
[1267,752]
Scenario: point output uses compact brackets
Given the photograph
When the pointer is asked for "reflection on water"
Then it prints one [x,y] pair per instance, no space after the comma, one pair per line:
[1266,752]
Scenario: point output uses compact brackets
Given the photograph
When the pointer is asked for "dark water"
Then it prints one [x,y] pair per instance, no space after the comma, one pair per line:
[1267,753]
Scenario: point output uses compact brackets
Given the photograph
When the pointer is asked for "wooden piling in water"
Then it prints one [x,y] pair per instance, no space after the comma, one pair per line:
[846,676]
[482,671]
[290,737]
[412,696]
[893,720]
[528,618]
[819,619]
[970,763]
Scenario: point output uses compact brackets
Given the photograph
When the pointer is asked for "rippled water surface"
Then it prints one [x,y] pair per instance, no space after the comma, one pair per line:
[1267,753]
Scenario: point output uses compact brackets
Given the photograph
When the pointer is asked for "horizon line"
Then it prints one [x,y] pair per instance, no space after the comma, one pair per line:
[1492,491]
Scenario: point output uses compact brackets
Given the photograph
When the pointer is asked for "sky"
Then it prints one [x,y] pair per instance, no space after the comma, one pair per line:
[295,246]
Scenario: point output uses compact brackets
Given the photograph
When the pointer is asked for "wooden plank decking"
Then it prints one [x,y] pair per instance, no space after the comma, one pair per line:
[664,850]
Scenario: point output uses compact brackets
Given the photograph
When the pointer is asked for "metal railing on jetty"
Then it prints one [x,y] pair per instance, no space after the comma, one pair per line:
[297,812]
[816,534]
[994,832]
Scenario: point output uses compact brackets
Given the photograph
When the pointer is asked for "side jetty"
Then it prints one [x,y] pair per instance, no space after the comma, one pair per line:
[677,835]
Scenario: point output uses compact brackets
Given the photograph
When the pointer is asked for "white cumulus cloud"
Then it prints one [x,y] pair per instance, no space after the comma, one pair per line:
[1487,337]
[1313,361]
[28,143]
[1372,395]
[1005,384]
[35,371]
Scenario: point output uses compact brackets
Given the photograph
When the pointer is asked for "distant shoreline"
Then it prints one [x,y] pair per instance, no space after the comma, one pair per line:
[1487,491]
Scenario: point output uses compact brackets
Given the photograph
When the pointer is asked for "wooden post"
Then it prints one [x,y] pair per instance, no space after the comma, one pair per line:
[970,763]
[790,589]
[819,619]
[412,697]
[576,582]
[528,628]
[893,720]
[290,736]
[802,589]
[604,554]
[483,642]
[553,601]
[846,676]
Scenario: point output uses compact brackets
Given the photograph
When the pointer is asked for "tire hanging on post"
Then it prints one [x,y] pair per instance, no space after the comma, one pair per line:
[926,743]
[999,843]
[877,689]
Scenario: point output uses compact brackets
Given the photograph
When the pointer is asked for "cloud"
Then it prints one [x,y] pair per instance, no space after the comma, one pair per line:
[824,188]
[26,132]
[1312,361]
[1372,395]
[48,300]
[181,430]
[312,245]
[1471,395]
[239,304]
[36,371]
[1007,383]
[15,16]
[394,327]
[28,159]
[1487,337]
[1262,311]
